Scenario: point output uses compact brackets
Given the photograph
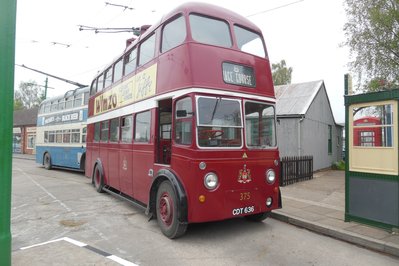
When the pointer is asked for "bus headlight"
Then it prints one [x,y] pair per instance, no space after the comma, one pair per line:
[269,202]
[211,181]
[270,176]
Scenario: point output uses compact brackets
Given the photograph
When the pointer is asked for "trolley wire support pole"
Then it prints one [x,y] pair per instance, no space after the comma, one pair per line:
[8,9]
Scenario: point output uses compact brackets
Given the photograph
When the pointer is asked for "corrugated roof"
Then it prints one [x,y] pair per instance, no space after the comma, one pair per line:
[295,99]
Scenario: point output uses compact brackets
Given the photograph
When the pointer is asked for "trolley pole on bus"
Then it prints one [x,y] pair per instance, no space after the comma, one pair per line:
[7,54]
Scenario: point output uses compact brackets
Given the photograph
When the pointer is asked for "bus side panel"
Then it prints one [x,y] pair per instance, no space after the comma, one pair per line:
[89,162]
[95,154]
[104,160]
[126,169]
[68,157]
[113,166]
[143,161]
[168,68]
[40,154]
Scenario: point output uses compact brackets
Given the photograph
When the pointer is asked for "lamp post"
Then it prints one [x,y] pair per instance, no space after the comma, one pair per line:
[7,54]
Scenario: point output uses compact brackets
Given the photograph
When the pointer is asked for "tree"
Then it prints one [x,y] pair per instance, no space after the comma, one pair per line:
[29,94]
[18,105]
[372,35]
[281,73]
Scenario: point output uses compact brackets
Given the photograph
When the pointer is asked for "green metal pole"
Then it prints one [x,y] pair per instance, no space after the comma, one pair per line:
[346,94]
[8,10]
[45,88]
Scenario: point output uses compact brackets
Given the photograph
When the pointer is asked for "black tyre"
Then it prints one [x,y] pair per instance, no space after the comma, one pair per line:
[259,217]
[167,211]
[47,161]
[98,179]
[83,163]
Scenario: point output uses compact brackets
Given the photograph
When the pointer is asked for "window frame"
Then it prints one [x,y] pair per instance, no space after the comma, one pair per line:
[258,147]
[123,126]
[192,30]
[112,134]
[104,129]
[188,119]
[142,47]
[137,128]
[225,128]
[128,62]
[169,23]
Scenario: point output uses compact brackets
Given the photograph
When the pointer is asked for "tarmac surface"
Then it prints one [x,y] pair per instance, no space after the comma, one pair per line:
[317,205]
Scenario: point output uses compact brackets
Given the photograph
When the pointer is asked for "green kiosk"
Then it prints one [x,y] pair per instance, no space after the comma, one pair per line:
[371,176]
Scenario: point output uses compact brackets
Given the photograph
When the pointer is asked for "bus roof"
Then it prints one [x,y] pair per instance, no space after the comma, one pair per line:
[200,8]
[68,93]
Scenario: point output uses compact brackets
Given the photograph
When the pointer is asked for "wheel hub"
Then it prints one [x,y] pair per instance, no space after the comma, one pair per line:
[166,209]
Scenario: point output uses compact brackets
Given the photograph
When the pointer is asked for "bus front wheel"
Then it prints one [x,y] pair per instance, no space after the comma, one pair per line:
[259,217]
[47,161]
[98,180]
[166,209]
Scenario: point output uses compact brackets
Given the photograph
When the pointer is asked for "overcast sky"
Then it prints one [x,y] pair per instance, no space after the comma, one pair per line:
[307,34]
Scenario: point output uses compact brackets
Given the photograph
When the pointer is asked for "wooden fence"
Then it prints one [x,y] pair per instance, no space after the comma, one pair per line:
[296,169]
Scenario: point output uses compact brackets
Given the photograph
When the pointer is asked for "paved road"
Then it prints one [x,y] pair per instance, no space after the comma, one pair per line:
[48,205]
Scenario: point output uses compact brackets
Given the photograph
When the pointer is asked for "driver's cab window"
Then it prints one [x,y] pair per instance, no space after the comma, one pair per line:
[219,122]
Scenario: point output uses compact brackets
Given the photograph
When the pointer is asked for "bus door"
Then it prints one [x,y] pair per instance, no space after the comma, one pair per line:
[163,147]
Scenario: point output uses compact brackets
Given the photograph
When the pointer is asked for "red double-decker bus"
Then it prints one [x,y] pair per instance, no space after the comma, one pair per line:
[182,124]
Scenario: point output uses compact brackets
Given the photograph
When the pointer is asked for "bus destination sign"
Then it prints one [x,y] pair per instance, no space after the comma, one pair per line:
[238,75]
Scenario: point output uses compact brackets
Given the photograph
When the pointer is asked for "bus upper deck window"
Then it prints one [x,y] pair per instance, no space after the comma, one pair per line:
[210,31]
[174,34]
[61,104]
[118,70]
[108,77]
[47,107]
[54,106]
[100,83]
[249,42]
[86,98]
[78,100]
[93,88]
[147,50]
[130,62]
[69,102]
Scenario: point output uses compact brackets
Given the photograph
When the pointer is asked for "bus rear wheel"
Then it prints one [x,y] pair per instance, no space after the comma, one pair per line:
[167,210]
[98,179]
[259,217]
[47,161]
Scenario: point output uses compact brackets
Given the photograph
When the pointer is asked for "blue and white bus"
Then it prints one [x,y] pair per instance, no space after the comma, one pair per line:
[61,130]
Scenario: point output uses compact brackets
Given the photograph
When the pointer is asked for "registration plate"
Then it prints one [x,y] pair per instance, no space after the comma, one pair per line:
[243,210]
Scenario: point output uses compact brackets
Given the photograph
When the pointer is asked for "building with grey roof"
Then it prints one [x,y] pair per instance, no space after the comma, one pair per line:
[306,124]
[24,131]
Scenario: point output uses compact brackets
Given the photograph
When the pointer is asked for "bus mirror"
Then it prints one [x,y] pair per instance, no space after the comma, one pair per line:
[181,113]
